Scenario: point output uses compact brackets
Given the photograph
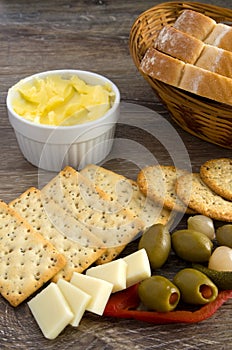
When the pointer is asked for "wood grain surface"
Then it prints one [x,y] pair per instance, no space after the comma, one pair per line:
[93,35]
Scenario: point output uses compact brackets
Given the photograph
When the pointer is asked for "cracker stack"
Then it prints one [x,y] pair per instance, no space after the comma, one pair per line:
[72,239]
[127,194]
[209,191]
[114,225]
[27,259]
[65,228]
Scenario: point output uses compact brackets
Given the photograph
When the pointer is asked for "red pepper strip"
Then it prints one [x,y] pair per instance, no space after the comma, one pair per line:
[124,303]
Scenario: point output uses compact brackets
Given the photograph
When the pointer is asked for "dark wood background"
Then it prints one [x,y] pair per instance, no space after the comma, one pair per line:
[91,35]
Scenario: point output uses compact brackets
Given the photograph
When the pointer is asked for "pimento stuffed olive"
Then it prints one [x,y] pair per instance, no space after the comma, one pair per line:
[158,293]
[195,287]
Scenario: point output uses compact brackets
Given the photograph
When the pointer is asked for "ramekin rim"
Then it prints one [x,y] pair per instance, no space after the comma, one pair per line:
[68,127]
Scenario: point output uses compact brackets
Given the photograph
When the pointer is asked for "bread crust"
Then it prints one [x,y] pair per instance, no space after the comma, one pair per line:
[206,84]
[195,24]
[216,60]
[162,67]
[221,36]
[178,44]
[183,58]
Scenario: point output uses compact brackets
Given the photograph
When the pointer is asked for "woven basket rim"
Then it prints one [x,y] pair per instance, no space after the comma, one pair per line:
[182,5]
[208,113]
[185,5]
[192,5]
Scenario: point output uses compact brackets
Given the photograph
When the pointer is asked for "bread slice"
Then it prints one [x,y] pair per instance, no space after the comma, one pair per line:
[79,246]
[27,260]
[217,174]
[206,84]
[221,36]
[216,60]
[178,44]
[162,67]
[191,50]
[158,183]
[114,225]
[187,77]
[127,194]
[192,190]
[194,23]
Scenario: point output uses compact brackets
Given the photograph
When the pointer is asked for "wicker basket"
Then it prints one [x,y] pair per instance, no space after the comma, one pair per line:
[204,118]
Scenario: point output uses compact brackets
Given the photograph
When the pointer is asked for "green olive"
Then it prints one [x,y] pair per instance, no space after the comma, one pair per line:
[158,293]
[157,243]
[224,235]
[192,245]
[195,287]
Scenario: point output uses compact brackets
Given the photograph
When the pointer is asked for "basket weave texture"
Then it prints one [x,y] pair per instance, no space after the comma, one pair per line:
[201,117]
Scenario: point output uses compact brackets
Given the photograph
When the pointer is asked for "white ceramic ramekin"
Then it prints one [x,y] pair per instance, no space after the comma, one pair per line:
[53,147]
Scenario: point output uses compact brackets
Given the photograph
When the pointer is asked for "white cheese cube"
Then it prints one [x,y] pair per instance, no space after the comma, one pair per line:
[98,289]
[114,272]
[76,298]
[51,311]
[138,267]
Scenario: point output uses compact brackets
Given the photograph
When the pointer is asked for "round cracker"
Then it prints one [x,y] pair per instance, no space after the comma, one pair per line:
[192,190]
[158,183]
[217,174]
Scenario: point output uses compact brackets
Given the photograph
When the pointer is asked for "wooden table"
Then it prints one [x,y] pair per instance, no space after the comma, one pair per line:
[93,35]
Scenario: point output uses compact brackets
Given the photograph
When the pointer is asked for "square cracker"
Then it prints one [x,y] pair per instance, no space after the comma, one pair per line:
[79,246]
[114,225]
[27,260]
[127,193]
